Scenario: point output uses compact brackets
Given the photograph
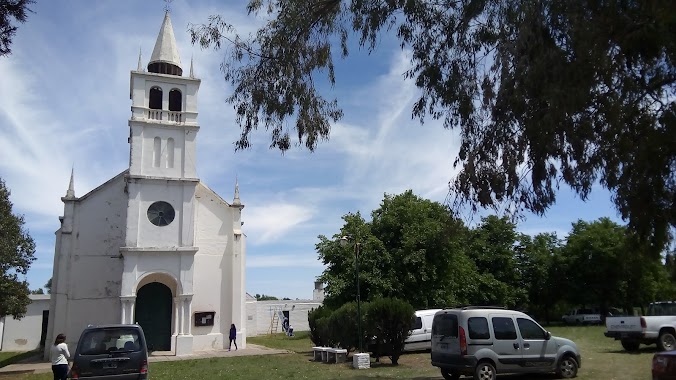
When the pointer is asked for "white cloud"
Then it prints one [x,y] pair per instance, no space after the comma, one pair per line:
[269,222]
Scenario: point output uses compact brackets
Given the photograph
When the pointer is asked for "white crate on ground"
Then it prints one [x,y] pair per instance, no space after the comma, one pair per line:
[361,361]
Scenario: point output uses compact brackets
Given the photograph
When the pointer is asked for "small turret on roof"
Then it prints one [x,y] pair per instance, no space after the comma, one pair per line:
[165,58]
[236,201]
[70,193]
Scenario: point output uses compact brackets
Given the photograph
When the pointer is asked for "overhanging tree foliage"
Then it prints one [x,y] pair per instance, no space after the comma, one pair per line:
[11,12]
[17,251]
[544,92]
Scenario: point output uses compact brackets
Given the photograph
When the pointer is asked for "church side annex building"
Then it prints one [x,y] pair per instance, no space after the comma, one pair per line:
[154,245]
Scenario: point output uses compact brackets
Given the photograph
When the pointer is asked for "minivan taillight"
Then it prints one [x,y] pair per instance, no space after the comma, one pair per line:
[463,341]
[73,372]
[144,367]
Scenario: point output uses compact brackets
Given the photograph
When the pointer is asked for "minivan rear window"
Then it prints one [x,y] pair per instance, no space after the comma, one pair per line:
[104,341]
[446,325]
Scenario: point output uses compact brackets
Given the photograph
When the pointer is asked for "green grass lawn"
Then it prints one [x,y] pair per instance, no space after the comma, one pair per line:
[10,357]
[602,359]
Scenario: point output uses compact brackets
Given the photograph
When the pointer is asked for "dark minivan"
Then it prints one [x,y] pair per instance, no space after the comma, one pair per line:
[111,352]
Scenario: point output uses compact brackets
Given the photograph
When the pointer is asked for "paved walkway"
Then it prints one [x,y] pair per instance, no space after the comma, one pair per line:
[37,365]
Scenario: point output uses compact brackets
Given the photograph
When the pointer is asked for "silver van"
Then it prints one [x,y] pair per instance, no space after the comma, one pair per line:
[111,352]
[486,341]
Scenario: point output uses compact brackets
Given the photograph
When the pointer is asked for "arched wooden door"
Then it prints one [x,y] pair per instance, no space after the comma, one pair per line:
[153,313]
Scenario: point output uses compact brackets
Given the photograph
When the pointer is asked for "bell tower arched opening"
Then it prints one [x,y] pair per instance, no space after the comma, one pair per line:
[175,100]
[155,98]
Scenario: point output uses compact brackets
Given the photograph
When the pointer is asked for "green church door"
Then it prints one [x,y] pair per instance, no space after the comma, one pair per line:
[153,313]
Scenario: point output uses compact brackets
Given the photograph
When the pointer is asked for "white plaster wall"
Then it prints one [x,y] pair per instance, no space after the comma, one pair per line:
[140,265]
[143,193]
[213,234]
[24,334]
[89,285]
[172,169]
[251,317]
[298,315]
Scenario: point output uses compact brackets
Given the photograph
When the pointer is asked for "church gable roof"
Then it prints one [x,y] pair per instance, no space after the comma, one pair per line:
[102,186]
[203,187]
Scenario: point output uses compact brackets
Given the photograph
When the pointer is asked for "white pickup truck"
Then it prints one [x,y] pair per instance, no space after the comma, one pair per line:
[658,326]
[582,317]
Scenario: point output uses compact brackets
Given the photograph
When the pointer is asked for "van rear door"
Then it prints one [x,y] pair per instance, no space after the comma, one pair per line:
[117,352]
[445,341]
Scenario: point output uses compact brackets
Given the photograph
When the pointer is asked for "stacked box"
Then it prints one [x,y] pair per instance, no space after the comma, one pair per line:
[361,361]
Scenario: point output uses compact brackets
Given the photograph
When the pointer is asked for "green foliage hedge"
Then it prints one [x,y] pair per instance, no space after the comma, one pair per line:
[385,326]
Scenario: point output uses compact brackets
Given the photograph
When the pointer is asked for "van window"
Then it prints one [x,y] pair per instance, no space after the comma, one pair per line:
[530,330]
[446,325]
[503,328]
[103,341]
[417,323]
[478,328]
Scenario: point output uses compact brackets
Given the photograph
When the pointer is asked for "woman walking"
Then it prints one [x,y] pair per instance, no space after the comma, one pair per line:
[233,336]
[59,355]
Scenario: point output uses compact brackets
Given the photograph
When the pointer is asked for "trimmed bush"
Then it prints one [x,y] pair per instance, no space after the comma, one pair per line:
[343,326]
[318,321]
[388,322]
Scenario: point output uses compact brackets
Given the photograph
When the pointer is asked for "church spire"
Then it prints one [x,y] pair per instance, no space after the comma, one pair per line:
[236,201]
[140,66]
[192,73]
[165,58]
[70,193]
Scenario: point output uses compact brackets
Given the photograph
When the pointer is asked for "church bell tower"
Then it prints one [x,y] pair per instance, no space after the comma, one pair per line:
[159,251]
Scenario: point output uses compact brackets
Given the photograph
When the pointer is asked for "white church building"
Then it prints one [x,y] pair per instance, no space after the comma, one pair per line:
[154,245]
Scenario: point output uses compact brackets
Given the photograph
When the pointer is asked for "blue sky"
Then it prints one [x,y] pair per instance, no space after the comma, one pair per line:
[64,102]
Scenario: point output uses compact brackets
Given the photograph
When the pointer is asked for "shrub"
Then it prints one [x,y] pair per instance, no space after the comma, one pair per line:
[318,321]
[343,326]
[388,322]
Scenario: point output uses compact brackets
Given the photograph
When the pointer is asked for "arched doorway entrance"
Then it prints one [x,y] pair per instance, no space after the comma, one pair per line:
[153,313]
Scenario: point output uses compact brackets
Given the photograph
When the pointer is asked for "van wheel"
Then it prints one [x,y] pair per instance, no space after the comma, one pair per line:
[450,375]
[567,368]
[630,345]
[484,371]
[666,341]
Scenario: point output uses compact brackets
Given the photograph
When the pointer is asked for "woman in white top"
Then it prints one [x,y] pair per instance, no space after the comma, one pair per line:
[59,355]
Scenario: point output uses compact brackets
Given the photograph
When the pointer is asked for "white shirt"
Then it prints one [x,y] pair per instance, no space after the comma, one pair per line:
[59,354]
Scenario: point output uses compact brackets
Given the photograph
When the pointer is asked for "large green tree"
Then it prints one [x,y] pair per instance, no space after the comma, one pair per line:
[412,249]
[17,251]
[539,277]
[544,92]
[11,13]
[604,265]
[493,250]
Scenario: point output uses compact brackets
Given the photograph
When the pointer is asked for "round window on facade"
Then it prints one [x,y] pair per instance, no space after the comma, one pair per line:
[161,213]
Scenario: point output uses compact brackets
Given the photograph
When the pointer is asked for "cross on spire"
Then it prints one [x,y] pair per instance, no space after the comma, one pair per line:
[167,5]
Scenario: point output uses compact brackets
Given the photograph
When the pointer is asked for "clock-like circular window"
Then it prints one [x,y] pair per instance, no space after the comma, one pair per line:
[161,213]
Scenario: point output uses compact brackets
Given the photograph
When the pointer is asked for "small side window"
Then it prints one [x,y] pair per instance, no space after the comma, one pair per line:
[478,328]
[503,328]
[417,324]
